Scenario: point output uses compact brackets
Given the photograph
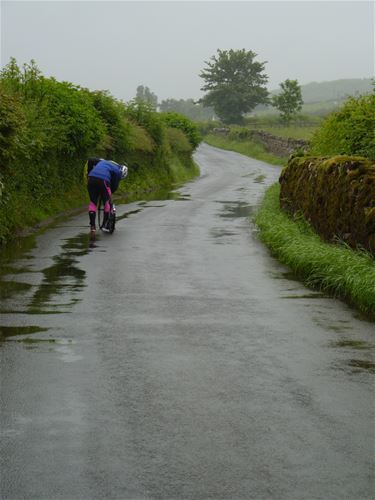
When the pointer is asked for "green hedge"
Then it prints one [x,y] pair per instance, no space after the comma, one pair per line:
[336,195]
[349,131]
[48,129]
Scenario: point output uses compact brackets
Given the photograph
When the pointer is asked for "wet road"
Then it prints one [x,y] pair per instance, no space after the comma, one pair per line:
[177,359]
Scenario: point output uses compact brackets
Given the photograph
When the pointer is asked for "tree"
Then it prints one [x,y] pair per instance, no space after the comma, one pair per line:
[235,84]
[289,100]
[190,108]
[145,95]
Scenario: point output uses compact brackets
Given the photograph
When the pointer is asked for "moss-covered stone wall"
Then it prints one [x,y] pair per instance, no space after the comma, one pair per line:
[336,195]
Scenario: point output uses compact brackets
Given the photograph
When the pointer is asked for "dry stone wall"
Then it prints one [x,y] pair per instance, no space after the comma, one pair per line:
[279,146]
[336,195]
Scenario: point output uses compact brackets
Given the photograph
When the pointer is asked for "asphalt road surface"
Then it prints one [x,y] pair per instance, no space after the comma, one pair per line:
[177,359]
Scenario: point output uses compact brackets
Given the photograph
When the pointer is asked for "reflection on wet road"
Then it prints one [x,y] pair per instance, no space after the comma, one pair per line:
[177,359]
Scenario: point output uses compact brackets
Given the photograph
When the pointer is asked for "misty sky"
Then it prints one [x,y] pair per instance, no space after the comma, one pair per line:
[163,45]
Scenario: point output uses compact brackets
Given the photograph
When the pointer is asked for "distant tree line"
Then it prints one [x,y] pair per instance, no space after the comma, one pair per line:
[235,84]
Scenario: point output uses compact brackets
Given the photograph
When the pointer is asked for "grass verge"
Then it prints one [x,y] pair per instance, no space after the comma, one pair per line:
[21,222]
[335,269]
[247,148]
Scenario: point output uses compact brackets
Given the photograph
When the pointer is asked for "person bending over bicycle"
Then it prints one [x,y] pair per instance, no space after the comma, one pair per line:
[103,179]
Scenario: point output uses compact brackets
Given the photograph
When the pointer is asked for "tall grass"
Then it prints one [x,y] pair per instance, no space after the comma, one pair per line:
[335,269]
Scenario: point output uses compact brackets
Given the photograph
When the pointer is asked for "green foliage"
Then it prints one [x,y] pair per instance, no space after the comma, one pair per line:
[179,121]
[289,100]
[178,141]
[118,138]
[144,114]
[207,127]
[145,95]
[48,129]
[235,83]
[188,107]
[12,120]
[334,269]
[351,130]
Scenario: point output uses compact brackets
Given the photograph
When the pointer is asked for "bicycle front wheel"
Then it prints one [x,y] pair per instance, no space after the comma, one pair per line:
[100,212]
[112,222]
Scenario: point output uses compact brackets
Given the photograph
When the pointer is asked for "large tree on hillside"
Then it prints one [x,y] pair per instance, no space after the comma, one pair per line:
[289,100]
[235,83]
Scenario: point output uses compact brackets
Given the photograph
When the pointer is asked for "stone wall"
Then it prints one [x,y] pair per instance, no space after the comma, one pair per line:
[279,146]
[336,195]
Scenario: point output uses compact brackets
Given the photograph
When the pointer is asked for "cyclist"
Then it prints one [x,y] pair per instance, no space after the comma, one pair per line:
[103,178]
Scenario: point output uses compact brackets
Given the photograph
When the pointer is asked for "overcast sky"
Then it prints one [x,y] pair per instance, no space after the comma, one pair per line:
[164,45]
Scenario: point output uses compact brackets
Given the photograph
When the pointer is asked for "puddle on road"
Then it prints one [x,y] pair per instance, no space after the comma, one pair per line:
[10,288]
[56,288]
[222,236]
[164,195]
[260,179]
[352,344]
[284,275]
[233,209]
[362,365]
[62,279]
[127,214]
[355,366]
[220,233]
[12,331]
[317,295]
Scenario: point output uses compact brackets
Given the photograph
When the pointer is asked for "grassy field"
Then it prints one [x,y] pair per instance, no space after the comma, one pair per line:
[293,132]
[302,127]
[334,269]
[247,148]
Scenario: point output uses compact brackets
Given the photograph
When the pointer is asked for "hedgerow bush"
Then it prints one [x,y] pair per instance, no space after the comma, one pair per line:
[48,129]
[181,122]
[144,114]
[351,130]
[178,141]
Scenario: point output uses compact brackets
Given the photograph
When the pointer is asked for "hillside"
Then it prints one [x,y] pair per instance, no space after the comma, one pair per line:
[335,90]
[321,98]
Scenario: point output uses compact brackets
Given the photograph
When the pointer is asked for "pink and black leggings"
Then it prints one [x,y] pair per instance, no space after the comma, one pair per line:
[98,188]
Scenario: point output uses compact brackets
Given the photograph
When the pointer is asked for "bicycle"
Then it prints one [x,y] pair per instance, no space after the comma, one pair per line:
[111,223]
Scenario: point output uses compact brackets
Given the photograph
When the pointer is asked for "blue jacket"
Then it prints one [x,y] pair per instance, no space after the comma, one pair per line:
[108,171]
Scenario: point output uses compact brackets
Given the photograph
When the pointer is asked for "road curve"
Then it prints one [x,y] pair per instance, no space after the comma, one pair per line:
[177,359]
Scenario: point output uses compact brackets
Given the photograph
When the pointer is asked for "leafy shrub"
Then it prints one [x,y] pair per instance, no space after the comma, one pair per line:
[176,120]
[351,130]
[178,141]
[118,139]
[207,127]
[12,119]
[239,134]
[144,115]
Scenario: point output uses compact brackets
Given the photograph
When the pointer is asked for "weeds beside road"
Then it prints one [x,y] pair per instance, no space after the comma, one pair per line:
[335,269]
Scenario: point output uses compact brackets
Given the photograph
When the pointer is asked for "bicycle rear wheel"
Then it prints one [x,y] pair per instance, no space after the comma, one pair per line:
[112,222]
